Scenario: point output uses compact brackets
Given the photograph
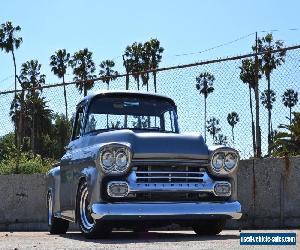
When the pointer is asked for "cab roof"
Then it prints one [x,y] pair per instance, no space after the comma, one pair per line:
[124,93]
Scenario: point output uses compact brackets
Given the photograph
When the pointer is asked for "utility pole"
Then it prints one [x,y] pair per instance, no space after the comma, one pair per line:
[258,131]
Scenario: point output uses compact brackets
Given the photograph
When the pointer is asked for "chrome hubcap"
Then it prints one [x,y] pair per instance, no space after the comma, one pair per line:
[50,209]
[85,215]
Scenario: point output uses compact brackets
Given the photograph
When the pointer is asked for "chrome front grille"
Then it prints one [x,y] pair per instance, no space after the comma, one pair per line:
[169,174]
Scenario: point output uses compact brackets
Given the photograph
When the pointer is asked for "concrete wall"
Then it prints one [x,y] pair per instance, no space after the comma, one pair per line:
[268,190]
[22,202]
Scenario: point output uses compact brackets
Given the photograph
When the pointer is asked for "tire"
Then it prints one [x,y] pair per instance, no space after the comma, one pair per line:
[55,225]
[89,227]
[209,227]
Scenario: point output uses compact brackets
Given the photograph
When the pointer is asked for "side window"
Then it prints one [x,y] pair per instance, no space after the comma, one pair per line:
[78,123]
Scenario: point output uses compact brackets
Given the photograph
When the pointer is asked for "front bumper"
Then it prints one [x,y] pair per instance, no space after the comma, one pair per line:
[170,210]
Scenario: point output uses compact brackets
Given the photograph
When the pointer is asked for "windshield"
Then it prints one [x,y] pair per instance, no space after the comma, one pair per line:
[145,114]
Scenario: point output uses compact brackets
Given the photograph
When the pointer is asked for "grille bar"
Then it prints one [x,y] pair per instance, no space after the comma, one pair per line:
[169,174]
[165,172]
[167,177]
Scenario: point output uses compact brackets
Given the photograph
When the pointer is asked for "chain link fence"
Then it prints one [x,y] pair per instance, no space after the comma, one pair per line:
[230,95]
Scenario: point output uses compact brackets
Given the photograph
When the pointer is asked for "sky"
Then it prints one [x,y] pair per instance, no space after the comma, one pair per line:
[107,27]
[183,28]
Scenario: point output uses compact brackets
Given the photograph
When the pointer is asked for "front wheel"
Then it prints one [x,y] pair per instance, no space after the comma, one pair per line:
[209,227]
[88,226]
[55,225]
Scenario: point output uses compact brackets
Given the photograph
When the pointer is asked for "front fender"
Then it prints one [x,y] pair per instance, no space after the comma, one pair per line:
[90,175]
[53,186]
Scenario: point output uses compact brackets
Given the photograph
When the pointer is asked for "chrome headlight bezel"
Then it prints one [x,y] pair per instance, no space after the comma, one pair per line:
[225,169]
[234,162]
[115,150]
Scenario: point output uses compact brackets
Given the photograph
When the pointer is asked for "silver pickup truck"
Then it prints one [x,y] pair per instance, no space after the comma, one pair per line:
[128,166]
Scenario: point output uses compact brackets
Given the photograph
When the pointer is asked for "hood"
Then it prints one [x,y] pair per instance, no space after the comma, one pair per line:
[151,145]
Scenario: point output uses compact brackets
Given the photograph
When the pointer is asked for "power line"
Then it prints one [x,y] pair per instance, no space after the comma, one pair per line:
[6,78]
[277,30]
[218,46]
[233,41]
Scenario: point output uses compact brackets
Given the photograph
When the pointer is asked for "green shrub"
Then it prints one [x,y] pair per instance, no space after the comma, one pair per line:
[28,165]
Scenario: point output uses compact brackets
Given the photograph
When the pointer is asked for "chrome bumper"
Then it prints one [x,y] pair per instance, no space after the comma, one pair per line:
[140,210]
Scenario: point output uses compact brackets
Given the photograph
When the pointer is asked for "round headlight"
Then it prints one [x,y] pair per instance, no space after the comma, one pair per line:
[218,161]
[230,161]
[115,159]
[121,160]
[107,160]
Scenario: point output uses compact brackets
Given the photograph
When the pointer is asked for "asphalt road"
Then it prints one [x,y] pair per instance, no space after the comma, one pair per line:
[182,240]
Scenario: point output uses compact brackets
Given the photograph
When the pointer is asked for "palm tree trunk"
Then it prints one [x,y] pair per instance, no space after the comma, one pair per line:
[127,72]
[84,91]
[256,90]
[17,130]
[125,121]
[154,81]
[232,133]
[204,119]
[138,82]
[33,130]
[290,116]
[20,125]
[147,82]
[252,121]
[127,81]
[15,68]
[258,132]
[65,96]
[269,81]
[269,113]
[269,130]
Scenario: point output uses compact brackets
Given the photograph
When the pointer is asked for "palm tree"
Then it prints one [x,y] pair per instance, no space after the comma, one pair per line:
[107,73]
[290,99]
[41,118]
[268,97]
[213,127]
[288,143]
[247,75]
[61,134]
[83,69]
[269,60]
[18,117]
[59,63]
[133,57]
[32,81]
[233,119]
[9,42]
[153,53]
[205,86]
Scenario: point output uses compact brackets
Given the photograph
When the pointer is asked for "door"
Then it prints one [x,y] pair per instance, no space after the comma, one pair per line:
[68,162]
